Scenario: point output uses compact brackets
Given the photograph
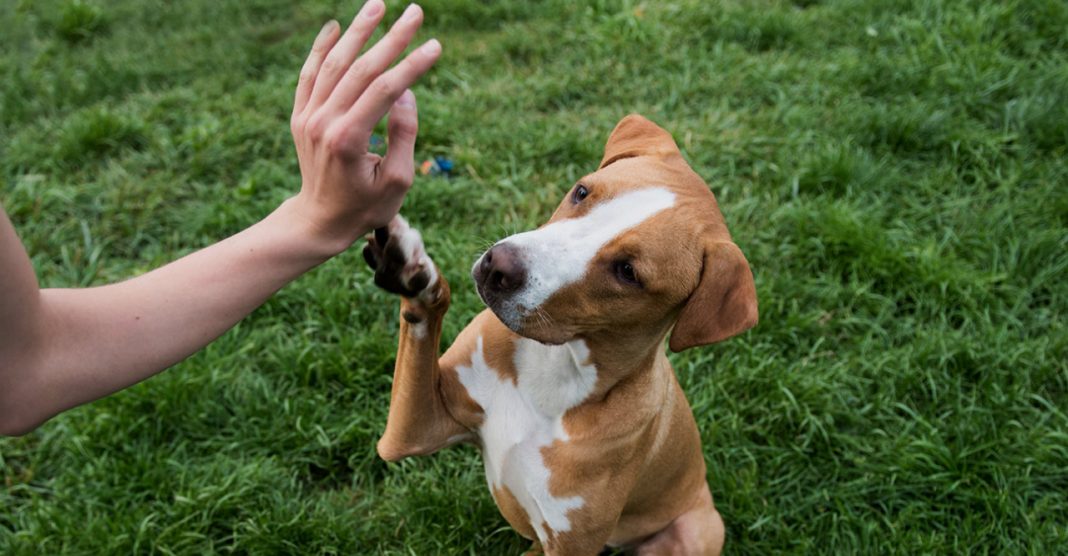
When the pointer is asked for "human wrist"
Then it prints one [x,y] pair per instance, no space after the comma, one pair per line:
[315,234]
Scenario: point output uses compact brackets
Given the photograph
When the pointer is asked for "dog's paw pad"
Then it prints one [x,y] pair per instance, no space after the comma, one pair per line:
[399,259]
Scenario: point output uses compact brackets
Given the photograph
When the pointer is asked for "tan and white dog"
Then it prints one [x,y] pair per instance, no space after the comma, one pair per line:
[563,383]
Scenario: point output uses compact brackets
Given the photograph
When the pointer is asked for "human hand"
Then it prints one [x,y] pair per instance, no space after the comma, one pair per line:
[347,191]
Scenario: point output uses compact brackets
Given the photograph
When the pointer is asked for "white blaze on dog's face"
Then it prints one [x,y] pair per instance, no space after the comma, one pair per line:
[630,248]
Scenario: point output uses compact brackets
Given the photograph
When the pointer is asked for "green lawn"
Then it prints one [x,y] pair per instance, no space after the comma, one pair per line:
[894,170]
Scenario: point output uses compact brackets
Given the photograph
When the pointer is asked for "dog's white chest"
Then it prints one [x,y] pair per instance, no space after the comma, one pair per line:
[523,416]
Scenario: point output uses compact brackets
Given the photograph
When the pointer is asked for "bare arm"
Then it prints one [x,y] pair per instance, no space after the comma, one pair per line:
[63,347]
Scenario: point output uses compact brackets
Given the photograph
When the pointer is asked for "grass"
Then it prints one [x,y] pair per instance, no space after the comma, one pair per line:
[894,170]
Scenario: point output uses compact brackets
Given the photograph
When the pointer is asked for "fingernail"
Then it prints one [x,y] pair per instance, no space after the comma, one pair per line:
[411,12]
[407,98]
[372,8]
[432,47]
[327,28]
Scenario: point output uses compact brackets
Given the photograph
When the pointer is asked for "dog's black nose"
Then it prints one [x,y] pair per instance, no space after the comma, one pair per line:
[501,270]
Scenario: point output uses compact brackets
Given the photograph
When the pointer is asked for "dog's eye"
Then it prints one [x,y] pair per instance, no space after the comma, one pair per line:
[626,273]
[580,193]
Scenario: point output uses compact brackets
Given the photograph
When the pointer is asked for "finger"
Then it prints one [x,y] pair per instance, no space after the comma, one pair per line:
[379,57]
[326,39]
[339,59]
[398,168]
[388,87]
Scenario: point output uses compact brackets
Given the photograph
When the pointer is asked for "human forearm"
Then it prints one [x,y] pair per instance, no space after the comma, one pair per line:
[95,341]
[60,348]
[20,302]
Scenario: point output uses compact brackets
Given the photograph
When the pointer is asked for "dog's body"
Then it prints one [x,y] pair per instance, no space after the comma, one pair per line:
[586,436]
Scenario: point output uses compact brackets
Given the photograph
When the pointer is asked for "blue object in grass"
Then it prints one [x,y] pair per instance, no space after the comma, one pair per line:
[377,145]
[437,166]
[444,165]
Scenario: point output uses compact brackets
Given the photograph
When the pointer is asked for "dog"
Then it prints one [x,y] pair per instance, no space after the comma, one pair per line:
[587,438]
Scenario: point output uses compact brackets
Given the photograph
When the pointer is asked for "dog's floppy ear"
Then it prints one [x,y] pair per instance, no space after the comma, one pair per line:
[724,303]
[635,135]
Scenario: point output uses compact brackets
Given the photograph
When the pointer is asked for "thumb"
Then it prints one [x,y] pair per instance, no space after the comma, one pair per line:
[398,168]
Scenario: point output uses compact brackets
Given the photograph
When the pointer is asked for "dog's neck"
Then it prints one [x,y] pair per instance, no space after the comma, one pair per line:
[588,369]
[623,359]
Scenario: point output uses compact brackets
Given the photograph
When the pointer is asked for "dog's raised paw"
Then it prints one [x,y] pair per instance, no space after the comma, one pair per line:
[399,259]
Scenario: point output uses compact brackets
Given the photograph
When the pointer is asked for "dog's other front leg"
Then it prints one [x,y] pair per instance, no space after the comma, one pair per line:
[419,419]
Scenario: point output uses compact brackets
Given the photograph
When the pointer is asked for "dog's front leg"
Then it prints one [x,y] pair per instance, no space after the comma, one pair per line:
[419,418]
